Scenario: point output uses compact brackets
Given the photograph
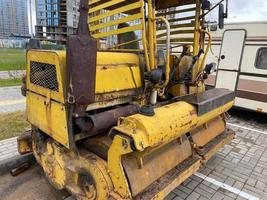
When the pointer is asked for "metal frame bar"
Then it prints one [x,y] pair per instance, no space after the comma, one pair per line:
[151,32]
[177,11]
[118,31]
[168,51]
[105,5]
[116,11]
[96,25]
[116,22]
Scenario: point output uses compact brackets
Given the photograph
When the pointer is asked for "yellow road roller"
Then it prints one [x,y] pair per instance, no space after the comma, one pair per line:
[123,113]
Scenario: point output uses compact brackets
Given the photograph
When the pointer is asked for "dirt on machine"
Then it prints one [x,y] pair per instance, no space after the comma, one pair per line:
[122,113]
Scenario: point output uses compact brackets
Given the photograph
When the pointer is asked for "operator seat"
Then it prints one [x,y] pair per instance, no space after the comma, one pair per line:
[127,37]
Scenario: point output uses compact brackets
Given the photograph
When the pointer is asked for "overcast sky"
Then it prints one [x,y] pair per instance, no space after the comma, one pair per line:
[245,10]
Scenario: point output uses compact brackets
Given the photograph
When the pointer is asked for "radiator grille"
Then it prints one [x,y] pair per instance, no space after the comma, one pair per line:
[44,75]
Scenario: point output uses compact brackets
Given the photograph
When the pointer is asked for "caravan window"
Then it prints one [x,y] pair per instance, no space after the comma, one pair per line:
[261,59]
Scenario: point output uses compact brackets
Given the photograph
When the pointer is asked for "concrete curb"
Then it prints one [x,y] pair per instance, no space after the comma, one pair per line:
[8,148]
[7,165]
[12,74]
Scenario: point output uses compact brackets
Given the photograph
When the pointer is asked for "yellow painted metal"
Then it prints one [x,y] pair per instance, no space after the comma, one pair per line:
[179,90]
[151,33]
[169,122]
[178,180]
[45,108]
[197,27]
[125,43]
[208,131]
[196,44]
[103,12]
[110,80]
[185,25]
[50,117]
[91,2]
[226,139]
[163,4]
[65,169]
[154,163]
[118,31]
[202,65]
[144,30]
[115,11]
[115,72]
[135,11]
[122,72]
[189,170]
[137,135]
[23,147]
[25,143]
[137,51]
[116,22]
[57,58]
[119,147]
[112,58]
[197,88]
[105,5]
[111,67]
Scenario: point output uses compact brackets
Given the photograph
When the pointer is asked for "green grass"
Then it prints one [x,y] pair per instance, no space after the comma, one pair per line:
[12,59]
[12,124]
[10,82]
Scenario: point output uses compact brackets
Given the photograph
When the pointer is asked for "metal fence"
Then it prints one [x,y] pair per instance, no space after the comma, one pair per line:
[13,43]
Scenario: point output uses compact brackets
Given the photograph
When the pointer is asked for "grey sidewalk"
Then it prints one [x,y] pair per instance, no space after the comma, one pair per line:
[11,99]
[11,74]
[8,148]
[10,93]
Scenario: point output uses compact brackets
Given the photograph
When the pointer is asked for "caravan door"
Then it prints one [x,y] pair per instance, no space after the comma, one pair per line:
[230,59]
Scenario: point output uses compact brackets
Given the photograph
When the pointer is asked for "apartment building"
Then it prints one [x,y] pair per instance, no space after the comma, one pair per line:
[56,19]
[13,18]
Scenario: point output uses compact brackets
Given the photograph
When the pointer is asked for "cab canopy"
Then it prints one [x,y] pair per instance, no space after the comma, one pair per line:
[125,25]
[160,4]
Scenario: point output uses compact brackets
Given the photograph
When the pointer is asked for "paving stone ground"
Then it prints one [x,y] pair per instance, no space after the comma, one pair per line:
[11,99]
[241,165]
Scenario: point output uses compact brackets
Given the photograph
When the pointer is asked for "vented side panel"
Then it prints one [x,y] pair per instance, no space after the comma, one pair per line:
[44,75]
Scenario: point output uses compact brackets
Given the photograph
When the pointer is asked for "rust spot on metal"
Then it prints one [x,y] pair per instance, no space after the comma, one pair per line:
[94,123]
[81,63]
[193,112]
[185,124]
[25,143]
[20,169]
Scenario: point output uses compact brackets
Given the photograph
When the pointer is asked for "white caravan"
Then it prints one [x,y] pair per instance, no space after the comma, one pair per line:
[240,52]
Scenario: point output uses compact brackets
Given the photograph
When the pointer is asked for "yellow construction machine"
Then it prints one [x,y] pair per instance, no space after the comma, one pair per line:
[123,112]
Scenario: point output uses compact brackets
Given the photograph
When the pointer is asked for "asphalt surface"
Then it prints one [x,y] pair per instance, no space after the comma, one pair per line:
[30,185]
[238,171]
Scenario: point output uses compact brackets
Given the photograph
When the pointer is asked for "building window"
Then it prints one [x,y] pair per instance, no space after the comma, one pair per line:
[261,59]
